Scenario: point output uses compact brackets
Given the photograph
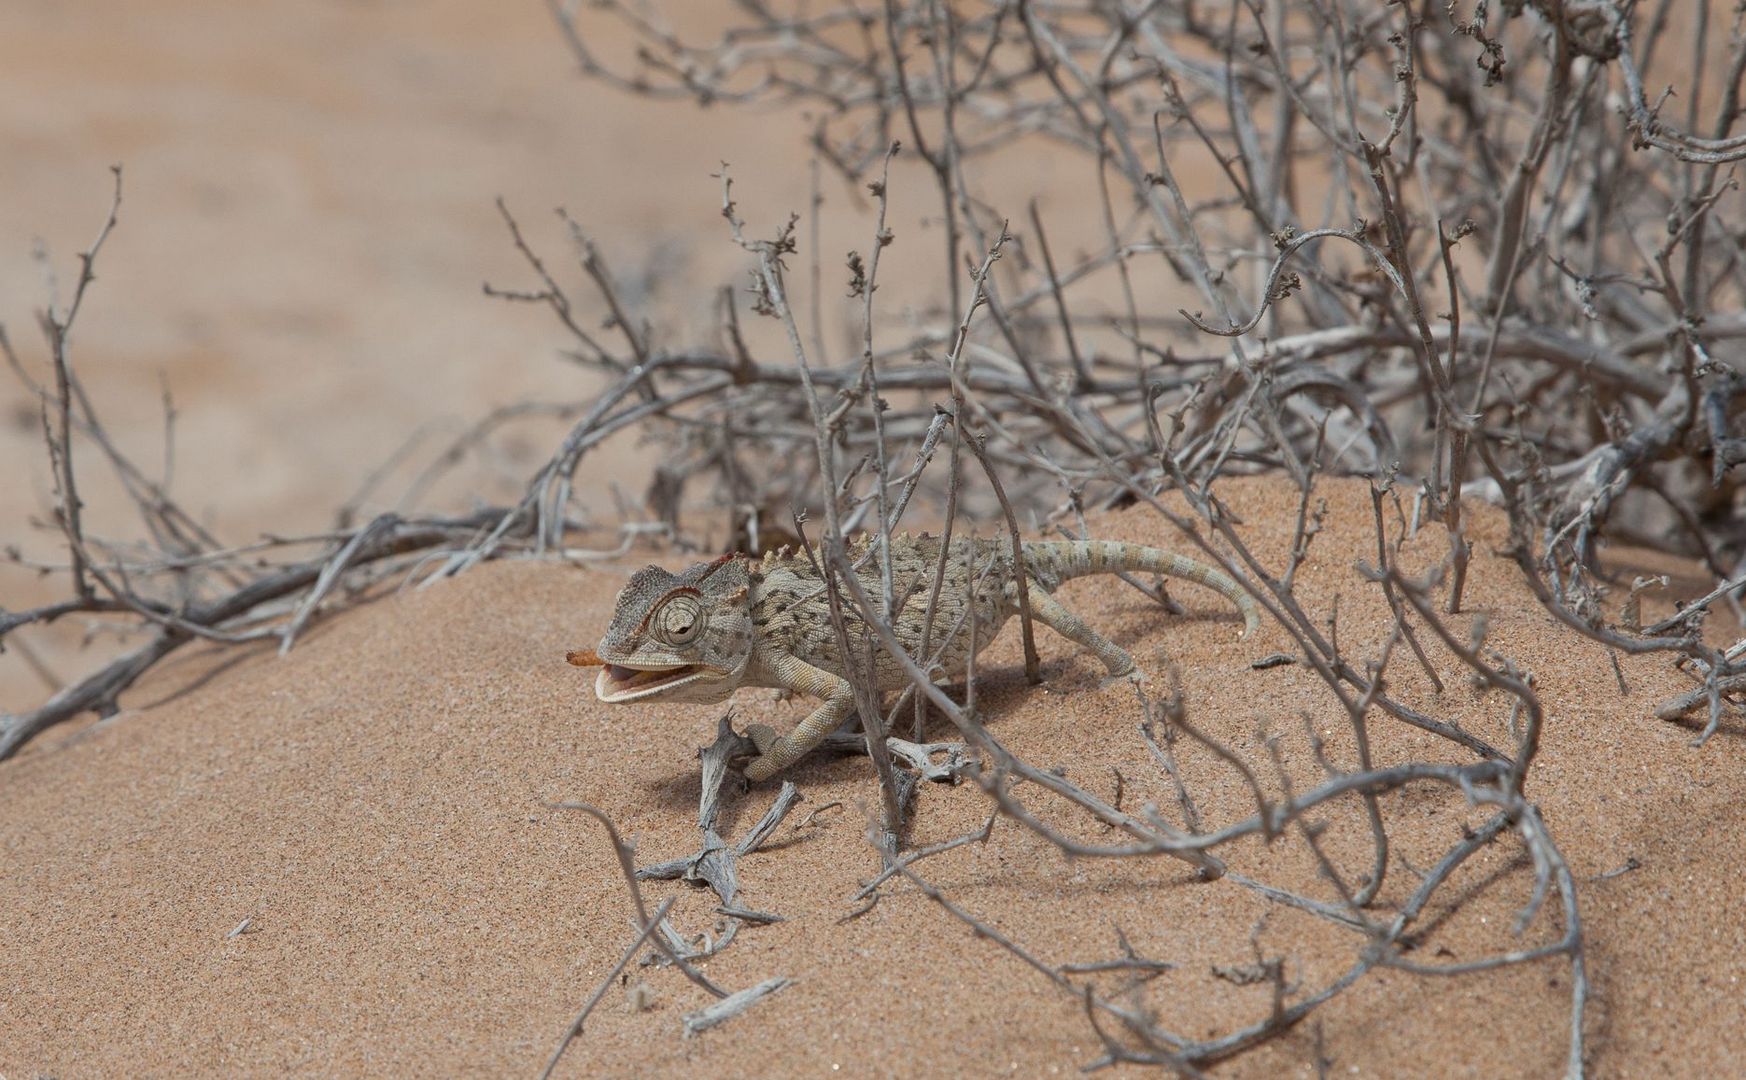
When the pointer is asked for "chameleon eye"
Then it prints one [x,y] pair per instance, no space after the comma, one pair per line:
[681,619]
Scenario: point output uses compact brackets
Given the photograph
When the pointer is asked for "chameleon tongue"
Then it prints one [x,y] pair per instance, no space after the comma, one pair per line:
[584,658]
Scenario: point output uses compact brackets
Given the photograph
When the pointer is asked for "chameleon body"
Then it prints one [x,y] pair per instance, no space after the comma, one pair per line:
[699,635]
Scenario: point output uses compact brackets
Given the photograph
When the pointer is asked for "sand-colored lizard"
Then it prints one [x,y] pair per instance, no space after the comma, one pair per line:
[699,635]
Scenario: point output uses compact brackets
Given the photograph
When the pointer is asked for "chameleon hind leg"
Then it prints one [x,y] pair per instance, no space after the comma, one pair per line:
[777,752]
[1049,611]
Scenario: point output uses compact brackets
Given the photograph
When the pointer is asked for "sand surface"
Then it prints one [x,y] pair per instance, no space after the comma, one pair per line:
[376,807]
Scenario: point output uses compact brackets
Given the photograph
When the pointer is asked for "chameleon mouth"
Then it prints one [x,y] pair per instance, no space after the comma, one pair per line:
[616,684]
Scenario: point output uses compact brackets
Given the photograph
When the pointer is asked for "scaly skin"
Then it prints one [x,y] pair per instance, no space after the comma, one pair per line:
[699,635]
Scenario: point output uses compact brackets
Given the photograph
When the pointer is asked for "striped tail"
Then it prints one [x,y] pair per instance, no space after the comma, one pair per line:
[1055,561]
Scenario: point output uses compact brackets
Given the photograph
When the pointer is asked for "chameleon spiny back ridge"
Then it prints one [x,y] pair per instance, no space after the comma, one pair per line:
[740,621]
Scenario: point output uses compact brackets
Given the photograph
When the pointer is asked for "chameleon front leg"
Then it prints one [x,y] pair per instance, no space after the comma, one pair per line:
[1048,611]
[777,752]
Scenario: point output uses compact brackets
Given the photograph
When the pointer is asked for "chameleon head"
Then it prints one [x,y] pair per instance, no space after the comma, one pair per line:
[678,637]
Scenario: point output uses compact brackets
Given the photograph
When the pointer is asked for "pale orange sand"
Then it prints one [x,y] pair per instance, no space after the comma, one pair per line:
[376,807]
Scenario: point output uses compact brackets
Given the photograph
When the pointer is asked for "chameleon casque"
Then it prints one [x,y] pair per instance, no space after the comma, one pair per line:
[699,635]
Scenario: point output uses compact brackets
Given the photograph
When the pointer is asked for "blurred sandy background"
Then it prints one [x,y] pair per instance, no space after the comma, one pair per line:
[309,216]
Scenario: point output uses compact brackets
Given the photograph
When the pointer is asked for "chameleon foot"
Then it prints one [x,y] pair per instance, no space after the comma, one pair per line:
[765,765]
[1134,677]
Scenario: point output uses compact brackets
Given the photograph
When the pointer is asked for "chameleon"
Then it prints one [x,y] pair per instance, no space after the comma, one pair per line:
[740,620]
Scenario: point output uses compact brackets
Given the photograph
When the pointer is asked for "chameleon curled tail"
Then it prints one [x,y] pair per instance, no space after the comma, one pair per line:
[1050,562]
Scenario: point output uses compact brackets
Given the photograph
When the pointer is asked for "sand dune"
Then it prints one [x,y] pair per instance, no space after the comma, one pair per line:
[375,808]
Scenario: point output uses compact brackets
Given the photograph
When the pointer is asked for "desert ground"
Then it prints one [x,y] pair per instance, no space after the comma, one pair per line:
[353,859]
[377,808]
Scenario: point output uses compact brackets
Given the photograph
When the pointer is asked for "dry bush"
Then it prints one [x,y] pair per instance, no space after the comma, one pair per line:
[1454,250]
[1469,251]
